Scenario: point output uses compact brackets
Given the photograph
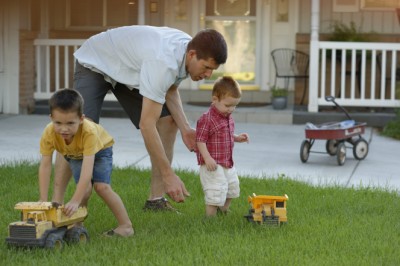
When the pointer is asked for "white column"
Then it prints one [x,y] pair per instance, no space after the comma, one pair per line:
[314,58]
[9,78]
[44,19]
[141,12]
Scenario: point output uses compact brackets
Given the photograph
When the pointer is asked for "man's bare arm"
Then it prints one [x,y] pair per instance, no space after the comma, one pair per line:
[174,104]
[151,110]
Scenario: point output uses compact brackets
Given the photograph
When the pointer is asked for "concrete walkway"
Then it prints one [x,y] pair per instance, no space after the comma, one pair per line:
[273,150]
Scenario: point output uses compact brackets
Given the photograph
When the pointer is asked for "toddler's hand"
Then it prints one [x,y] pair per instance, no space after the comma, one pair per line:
[244,137]
[211,165]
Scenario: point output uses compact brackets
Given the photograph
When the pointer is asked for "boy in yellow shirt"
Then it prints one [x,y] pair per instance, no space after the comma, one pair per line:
[88,149]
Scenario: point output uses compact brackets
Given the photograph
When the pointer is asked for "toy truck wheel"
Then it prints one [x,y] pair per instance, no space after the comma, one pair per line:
[305,150]
[54,241]
[341,153]
[264,216]
[77,235]
[331,146]
[360,149]
[250,217]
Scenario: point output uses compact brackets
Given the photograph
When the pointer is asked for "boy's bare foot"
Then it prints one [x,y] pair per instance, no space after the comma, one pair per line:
[120,232]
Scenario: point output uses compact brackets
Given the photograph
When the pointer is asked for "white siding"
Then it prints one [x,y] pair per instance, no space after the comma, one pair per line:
[383,22]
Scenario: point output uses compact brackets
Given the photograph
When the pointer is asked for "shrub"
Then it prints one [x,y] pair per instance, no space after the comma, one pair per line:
[392,129]
[279,92]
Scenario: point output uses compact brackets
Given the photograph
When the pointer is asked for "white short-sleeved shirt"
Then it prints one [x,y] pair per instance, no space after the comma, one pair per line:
[151,59]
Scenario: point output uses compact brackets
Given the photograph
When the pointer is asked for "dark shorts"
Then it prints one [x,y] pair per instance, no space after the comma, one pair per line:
[94,88]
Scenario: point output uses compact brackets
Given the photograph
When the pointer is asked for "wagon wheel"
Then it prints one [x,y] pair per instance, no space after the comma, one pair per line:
[305,150]
[360,149]
[54,241]
[331,146]
[341,153]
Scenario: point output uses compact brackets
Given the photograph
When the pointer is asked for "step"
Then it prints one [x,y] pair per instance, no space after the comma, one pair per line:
[374,117]
[255,107]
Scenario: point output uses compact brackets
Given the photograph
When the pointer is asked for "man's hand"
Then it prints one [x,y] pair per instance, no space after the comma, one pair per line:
[189,138]
[175,188]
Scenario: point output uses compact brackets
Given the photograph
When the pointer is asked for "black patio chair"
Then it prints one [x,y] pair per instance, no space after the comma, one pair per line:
[291,64]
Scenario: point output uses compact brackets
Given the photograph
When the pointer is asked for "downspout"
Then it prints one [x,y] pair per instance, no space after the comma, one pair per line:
[314,59]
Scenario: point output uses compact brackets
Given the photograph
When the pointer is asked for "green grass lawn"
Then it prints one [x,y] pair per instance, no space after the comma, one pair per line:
[326,226]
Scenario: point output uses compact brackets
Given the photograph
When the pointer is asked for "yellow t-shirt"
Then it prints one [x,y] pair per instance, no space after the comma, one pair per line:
[88,140]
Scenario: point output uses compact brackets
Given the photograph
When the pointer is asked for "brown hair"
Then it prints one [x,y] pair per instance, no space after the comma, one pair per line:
[67,100]
[209,43]
[226,86]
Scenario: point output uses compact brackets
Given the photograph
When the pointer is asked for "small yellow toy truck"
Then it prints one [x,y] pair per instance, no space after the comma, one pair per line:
[269,210]
[43,224]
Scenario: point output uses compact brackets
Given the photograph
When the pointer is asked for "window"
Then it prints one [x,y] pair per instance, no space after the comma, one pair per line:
[94,14]
[236,20]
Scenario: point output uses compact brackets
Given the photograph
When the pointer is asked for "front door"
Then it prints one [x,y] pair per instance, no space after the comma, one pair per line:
[236,20]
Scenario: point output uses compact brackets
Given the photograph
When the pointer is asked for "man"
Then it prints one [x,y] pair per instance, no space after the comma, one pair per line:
[143,66]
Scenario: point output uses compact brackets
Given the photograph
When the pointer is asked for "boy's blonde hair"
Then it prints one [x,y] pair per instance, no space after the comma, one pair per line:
[226,86]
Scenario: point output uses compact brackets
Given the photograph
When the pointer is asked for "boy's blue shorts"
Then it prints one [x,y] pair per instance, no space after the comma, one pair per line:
[101,170]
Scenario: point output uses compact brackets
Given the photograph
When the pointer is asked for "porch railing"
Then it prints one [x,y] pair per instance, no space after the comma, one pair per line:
[55,66]
[349,71]
[356,73]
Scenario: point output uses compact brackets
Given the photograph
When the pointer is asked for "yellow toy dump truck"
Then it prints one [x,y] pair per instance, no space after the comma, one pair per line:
[43,224]
[269,210]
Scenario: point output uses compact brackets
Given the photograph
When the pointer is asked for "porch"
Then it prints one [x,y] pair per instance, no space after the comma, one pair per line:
[369,91]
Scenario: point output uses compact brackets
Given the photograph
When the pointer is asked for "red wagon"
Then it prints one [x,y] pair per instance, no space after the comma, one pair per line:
[336,134]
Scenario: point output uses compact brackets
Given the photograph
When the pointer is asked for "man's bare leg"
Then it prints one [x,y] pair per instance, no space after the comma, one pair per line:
[62,175]
[167,129]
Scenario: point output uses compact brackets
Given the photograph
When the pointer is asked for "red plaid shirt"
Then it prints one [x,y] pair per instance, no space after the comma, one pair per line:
[216,130]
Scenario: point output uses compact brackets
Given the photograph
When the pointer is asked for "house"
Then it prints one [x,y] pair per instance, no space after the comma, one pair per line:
[38,37]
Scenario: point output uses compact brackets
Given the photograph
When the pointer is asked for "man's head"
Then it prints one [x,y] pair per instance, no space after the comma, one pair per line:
[205,52]
[226,95]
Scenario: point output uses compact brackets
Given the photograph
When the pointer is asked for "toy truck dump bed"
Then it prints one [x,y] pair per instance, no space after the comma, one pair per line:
[270,210]
[44,224]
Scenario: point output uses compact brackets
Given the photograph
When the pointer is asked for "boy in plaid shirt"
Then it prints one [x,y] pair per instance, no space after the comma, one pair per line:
[215,139]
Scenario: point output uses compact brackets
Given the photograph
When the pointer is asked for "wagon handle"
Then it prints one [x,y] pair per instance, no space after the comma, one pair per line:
[332,99]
